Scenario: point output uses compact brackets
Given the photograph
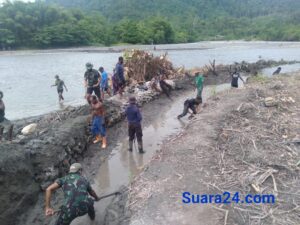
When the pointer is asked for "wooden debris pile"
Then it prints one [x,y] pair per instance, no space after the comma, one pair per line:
[142,66]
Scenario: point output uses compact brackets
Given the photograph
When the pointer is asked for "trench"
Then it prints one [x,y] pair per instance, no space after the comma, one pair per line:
[122,166]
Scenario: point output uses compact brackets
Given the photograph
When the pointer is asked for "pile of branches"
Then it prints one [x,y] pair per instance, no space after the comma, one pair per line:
[142,66]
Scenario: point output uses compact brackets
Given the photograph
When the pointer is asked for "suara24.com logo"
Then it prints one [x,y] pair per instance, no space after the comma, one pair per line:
[227,198]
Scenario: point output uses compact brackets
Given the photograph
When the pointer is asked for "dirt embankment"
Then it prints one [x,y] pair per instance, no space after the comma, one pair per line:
[235,144]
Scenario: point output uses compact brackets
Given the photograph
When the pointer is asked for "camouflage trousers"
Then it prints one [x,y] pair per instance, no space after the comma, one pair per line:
[69,213]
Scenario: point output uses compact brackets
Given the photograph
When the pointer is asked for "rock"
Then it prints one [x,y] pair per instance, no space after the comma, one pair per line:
[171,82]
[270,102]
[29,129]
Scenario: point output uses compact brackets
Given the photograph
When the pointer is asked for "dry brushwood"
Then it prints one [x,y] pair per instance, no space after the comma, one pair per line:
[143,66]
[252,141]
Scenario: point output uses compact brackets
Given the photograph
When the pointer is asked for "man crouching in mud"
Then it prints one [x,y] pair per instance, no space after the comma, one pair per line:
[190,104]
[98,121]
[4,123]
[134,119]
[76,192]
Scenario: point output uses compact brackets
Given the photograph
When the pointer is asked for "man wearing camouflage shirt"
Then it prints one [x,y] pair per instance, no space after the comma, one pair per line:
[76,192]
[92,81]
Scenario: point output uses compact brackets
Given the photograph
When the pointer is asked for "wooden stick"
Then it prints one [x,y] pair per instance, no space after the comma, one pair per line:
[223,210]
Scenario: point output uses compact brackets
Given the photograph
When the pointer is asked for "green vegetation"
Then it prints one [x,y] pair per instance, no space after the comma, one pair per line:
[64,23]
[259,78]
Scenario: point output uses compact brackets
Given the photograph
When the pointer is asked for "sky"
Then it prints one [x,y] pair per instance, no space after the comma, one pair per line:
[1,1]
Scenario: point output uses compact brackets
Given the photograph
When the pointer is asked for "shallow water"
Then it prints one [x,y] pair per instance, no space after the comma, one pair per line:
[284,69]
[26,76]
[123,166]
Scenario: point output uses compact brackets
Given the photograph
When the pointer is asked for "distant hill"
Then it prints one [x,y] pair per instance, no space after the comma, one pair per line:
[64,23]
[139,9]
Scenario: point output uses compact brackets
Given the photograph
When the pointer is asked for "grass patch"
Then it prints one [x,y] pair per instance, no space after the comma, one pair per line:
[259,78]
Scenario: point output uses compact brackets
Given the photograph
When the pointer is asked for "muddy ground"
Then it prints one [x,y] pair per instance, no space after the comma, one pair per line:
[235,144]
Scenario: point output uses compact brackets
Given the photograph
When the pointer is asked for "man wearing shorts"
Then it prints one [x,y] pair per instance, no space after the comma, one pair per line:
[98,121]
[92,81]
[60,84]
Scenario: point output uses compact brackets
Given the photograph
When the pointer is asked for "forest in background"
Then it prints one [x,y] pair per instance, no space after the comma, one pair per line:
[66,23]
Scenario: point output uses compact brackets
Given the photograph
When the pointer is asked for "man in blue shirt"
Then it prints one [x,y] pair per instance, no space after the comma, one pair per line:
[134,119]
[104,87]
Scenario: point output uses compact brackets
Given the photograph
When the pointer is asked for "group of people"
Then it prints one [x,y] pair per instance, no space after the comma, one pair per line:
[193,104]
[76,188]
[97,82]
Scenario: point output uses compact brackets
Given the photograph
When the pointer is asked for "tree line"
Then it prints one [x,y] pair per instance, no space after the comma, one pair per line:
[46,25]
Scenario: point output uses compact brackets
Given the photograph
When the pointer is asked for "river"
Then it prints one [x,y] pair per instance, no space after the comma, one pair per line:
[26,76]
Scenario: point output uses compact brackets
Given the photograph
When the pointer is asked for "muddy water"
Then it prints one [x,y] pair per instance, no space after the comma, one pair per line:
[26,76]
[123,166]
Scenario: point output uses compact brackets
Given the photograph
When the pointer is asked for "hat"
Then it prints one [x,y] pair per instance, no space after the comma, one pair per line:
[56,76]
[132,100]
[75,167]
[89,66]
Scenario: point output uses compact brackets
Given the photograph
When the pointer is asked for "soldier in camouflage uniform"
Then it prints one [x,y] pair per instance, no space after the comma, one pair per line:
[77,200]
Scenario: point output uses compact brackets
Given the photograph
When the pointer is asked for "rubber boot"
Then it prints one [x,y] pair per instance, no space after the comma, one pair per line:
[103,142]
[97,139]
[130,146]
[1,132]
[140,146]
[10,132]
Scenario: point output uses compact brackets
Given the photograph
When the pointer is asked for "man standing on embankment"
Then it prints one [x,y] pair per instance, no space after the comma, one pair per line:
[119,75]
[92,81]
